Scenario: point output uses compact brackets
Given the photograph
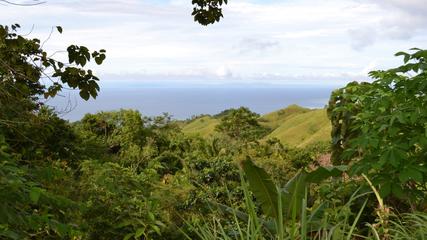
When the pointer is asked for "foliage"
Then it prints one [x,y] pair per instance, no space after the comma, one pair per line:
[241,124]
[118,203]
[291,194]
[120,130]
[202,126]
[38,148]
[380,127]
[24,65]
[23,62]
[27,208]
[293,125]
[207,12]
[409,226]
[287,211]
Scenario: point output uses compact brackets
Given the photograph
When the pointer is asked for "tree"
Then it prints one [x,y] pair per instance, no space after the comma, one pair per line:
[23,63]
[24,66]
[240,124]
[35,144]
[118,203]
[380,127]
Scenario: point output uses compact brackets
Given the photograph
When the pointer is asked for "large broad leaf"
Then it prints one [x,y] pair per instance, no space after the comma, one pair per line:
[265,191]
[293,193]
[323,173]
[263,188]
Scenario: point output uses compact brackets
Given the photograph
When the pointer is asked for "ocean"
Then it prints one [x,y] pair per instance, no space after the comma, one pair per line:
[185,102]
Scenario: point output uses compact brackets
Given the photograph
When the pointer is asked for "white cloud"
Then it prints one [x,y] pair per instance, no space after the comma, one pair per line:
[256,45]
[395,20]
[224,72]
[362,37]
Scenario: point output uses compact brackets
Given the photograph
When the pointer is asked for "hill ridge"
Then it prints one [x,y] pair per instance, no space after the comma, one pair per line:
[293,125]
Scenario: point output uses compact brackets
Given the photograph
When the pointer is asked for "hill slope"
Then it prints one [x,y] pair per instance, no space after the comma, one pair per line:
[203,126]
[294,125]
[303,128]
[274,119]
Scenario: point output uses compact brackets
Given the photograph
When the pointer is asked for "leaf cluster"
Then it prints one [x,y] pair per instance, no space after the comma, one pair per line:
[241,124]
[380,127]
[207,12]
[23,62]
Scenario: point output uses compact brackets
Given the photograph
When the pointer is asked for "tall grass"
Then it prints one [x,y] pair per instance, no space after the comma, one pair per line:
[251,225]
[409,226]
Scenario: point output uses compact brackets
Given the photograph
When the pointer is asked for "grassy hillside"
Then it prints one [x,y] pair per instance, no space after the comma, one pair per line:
[294,125]
[303,128]
[203,126]
[274,119]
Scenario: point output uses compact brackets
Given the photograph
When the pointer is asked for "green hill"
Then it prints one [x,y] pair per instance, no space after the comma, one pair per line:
[303,128]
[293,125]
[203,126]
[274,119]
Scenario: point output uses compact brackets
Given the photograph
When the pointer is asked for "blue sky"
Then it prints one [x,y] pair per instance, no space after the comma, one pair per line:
[322,42]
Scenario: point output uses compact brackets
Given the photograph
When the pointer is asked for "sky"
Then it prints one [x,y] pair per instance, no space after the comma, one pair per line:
[312,42]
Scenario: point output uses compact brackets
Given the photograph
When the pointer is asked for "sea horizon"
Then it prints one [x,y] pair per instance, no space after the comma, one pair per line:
[186,101]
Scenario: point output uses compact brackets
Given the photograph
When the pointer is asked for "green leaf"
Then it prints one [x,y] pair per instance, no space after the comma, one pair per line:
[128,236]
[139,232]
[410,173]
[262,187]
[93,92]
[394,156]
[99,59]
[401,54]
[318,213]
[124,224]
[322,173]
[397,191]
[293,194]
[385,189]
[35,193]
[406,58]
[84,94]
[156,229]
[151,216]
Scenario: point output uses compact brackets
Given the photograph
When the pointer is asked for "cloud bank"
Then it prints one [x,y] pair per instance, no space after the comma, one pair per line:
[275,42]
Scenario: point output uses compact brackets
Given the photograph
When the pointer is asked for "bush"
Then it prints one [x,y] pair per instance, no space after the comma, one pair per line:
[380,128]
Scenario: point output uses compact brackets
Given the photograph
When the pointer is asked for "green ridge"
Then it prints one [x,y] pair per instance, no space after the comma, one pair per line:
[203,126]
[274,119]
[293,125]
[304,128]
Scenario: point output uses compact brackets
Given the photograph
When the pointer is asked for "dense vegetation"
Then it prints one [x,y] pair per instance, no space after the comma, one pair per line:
[120,175]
